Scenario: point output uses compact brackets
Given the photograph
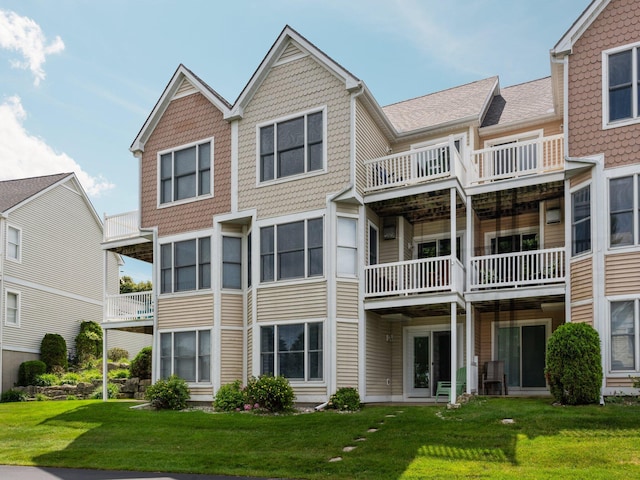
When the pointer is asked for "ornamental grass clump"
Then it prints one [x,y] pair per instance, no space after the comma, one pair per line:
[271,394]
[574,366]
[346,399]
[170,394]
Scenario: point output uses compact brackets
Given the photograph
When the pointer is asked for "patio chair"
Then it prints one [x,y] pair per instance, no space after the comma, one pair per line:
[444,387]
[494,375]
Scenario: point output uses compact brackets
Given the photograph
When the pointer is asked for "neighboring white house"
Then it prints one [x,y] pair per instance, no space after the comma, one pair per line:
[51,266]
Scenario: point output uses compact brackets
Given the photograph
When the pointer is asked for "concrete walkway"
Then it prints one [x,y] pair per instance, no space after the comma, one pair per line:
[8,472]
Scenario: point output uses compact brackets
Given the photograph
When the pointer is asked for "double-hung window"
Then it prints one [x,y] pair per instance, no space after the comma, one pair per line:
[231,262]
[292,250]
[581,221]
[185,265]
[186,173]
[294,351]
[621,80]
[373,244]
[291,147]
[14,244]
[624,211]
[347,258]
[12,309]
[624,341]
[186,354]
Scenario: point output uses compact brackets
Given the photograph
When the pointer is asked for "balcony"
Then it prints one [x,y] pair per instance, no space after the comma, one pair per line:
[135,307]
[417,166]
[425,275]
[121,226]
[517,159]
[519,269]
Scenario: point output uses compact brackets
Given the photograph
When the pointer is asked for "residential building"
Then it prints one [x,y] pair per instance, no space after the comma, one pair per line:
[51,266]
[384,248]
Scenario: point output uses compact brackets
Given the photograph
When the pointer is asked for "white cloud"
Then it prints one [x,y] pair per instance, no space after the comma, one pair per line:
[24,155]
[25,36]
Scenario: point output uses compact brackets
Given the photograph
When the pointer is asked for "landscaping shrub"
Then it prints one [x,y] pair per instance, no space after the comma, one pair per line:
[112,392]
[90,375]
[230,397]
[46,380]
[574,367]
[141,365]
[53,352]
[28,371]
[171,394]
[70,378]
[118,373]
[273,394]
[13,395]
[114,354]
[346,399]
[88,341]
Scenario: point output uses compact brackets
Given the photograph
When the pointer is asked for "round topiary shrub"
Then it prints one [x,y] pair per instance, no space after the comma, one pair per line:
[346,399]
[53,352]
[88,342]
[230,397]
[170,394]
[116,353]
[141,365]
[574,364]
[273,394]
[28,371]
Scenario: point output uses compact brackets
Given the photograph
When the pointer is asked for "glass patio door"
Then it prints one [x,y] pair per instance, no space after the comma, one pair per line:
[419,363]
[523,350]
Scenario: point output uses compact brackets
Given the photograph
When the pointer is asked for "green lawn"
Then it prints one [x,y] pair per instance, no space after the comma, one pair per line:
[410,442]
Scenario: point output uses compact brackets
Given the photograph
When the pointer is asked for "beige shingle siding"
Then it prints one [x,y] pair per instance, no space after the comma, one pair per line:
[190,311]
[378,355]
[347,354]
[347,299]
[60,244]
[616,26]
[230,355]
[231,309]
[370,144]
[582,279]
[622,273]
[290,89]
[292,302]
[186,120]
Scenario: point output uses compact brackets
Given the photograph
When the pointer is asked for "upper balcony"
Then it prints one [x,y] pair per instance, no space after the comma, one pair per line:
[122,234]
[135,309]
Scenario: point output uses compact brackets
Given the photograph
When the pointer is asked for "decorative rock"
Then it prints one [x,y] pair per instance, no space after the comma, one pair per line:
[335,459]
[371,430]
[361,439]
[390,416]
[349,449]
[507,421]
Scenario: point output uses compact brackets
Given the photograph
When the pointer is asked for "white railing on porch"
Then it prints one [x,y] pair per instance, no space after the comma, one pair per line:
[516,159]
[413,276]
[413,166]
[535,267]
[121,226]
[129,306]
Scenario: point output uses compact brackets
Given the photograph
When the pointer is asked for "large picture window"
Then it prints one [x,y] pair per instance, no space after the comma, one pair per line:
[291,250]
[185,265]
[621,84]
[581,220]
[294,351]
[186,173]
[291,147]
[186,354]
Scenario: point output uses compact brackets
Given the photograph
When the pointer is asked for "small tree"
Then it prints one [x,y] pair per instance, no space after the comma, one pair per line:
[141,365]
[53,352]
[574,365]
[89,342]
[29,370]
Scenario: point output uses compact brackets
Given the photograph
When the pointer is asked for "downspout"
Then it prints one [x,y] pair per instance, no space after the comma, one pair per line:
[3,219]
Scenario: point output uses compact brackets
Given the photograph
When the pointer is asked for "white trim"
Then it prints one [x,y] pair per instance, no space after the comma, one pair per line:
[303,114]
[371,225]
[54,291]
[173,150]
[569,210]
[338,245]
[180,239]
[635,114]
[565,44]
[606,333]
[519,137]
[17,259]
[18,295]
[212,367]
[632,171]
[234,166]
[243,280]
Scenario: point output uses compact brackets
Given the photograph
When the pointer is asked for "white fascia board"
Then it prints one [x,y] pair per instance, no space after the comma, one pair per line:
[565,44]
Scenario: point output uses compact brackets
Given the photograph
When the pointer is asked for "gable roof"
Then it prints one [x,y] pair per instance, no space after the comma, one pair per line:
[182,82]
[15,192]
[565,44]
[520,103]
[463,103]
[289,44]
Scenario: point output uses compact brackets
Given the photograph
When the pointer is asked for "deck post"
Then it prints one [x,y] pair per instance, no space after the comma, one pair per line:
[454,354]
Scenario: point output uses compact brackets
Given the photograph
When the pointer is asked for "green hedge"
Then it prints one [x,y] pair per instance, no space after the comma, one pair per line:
[29,371]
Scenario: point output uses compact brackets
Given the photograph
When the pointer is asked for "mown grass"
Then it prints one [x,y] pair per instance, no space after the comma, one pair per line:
[544,441]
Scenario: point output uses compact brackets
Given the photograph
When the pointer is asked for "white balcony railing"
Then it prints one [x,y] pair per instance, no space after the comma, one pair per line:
[413,276]
[516,159]
[129,306]
[121,226]
[414,166]
[520,269]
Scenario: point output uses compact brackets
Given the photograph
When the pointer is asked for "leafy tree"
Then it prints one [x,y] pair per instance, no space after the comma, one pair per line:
[89,342]
[53,352]
[127,285]
[141,365]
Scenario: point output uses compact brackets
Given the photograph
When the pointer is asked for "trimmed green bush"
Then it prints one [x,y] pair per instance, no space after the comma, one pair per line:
[273,394]
[230,397]
[141,365]
[53,352]
[114,354]
[574,364]
[170,394]
[88,341]
[28,371]
[13,395]
[345,399]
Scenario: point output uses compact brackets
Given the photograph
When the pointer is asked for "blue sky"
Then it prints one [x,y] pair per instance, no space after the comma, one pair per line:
[78,78]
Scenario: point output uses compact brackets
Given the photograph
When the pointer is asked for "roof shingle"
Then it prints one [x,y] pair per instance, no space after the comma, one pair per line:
[13,192]
[521,102]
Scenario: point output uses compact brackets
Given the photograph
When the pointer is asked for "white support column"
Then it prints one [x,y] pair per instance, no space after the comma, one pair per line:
[470,363]
[454,353]
[105,365]
[453,203]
